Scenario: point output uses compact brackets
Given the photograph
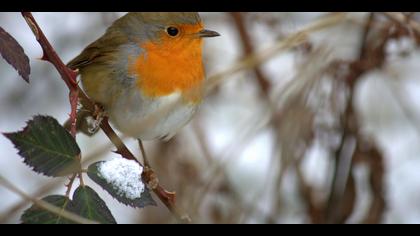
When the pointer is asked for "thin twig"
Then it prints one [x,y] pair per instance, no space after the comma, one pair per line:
[45,205]
[375,160]
[143,153]
[68,75]
[404,20]
[14,209]
[116,140]
[239,21]
[343,162]
[168,198]
[368,60]
[70,184]
[365,34]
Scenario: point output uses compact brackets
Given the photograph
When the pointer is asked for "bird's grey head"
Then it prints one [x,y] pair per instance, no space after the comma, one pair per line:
[149,25]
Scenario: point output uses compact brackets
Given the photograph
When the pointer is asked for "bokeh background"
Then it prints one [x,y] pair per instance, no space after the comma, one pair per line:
[325,132]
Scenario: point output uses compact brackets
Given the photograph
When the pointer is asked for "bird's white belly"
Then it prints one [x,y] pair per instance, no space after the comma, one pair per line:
[151,118]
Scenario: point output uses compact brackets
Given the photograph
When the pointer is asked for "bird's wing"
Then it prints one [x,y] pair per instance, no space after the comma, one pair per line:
[101,48]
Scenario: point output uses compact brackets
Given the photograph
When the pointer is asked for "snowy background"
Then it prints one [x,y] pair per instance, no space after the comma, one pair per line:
[223,164]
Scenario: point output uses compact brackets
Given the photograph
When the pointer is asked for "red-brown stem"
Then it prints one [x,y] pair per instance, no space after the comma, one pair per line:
[69,77]
[74,100]
[121,148]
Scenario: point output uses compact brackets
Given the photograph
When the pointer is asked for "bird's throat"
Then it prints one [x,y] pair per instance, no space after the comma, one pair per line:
[170,67]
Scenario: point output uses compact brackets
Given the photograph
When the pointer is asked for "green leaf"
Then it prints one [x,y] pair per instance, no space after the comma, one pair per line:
[88,204]
[144,200]
[47,147]
[37,215]
[13,53]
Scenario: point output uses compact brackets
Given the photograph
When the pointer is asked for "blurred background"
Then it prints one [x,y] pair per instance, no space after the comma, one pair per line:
[324,132]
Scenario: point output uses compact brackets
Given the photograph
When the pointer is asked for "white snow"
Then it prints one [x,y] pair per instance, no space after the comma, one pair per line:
[124,175]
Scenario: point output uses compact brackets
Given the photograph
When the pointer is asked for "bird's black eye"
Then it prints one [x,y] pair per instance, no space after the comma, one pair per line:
[172,31]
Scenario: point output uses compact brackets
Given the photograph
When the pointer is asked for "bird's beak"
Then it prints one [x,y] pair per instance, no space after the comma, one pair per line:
[208,33]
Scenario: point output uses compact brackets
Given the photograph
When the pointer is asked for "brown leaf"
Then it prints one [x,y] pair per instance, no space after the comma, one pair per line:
[13,53]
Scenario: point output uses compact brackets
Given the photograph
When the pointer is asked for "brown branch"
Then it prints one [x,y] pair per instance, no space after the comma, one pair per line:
[405,20]
[315,209]
[248,48]
[69,77]
[121,148]
[363,48]
[371,56]
[375,160]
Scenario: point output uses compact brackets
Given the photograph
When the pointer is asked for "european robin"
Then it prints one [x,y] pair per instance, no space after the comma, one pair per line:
[140,64]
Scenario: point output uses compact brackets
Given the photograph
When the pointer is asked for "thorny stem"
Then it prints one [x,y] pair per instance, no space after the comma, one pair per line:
[116,140]
[69,77]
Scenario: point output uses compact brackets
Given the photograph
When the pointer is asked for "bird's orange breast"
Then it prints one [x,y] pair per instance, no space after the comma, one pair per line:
[169,66]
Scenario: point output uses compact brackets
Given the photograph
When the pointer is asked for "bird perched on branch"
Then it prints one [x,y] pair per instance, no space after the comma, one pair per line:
[143,62]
